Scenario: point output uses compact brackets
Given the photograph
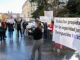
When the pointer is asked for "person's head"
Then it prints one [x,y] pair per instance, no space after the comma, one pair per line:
[45,22]
[36,24]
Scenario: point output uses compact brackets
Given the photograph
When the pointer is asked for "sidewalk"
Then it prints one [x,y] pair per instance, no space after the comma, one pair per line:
[66,53]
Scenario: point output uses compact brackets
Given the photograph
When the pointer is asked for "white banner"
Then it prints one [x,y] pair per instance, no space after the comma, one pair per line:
[10,21]
[21,15]
[45,19]
[27,19]
[14,16]
[48,13]
[67,32]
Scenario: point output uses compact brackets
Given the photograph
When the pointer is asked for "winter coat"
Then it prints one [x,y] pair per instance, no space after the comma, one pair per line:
[2,27]
[37,34]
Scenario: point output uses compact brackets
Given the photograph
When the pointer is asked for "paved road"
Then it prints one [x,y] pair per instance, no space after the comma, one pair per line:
[14,48]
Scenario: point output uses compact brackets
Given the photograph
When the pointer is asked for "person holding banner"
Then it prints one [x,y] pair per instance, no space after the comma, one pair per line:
[18,22]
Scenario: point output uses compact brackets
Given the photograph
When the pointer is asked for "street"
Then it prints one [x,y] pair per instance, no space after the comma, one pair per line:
[21,48]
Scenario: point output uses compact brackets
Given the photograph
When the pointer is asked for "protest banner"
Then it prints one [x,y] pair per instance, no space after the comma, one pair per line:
[27,19]
[21,15]
[45,19]
[67,32]
[14,16]
[10,21]
[48,13]
[32,19]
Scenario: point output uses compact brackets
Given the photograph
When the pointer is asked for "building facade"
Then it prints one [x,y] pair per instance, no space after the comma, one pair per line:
[3,16]
[8,15]
[28,8]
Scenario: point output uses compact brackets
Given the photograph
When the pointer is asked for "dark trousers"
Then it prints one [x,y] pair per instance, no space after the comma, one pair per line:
[45,34]
[3,34]
[23,30]
[0,35]
[19,30]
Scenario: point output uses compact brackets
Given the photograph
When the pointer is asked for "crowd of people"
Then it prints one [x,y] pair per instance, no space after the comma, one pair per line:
[36,29]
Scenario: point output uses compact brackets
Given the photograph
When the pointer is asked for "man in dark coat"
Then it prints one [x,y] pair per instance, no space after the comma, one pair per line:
[19,26]
[37,35]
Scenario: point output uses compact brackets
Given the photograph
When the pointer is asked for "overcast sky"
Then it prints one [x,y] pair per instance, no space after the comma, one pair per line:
[11,5]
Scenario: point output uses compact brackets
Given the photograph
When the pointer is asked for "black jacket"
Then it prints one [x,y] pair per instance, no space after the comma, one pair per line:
[11,27]
[2,27]
[24,25]
[18,24]
[37,33]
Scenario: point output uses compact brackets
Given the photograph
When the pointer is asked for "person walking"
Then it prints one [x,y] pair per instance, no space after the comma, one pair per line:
[37,35]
